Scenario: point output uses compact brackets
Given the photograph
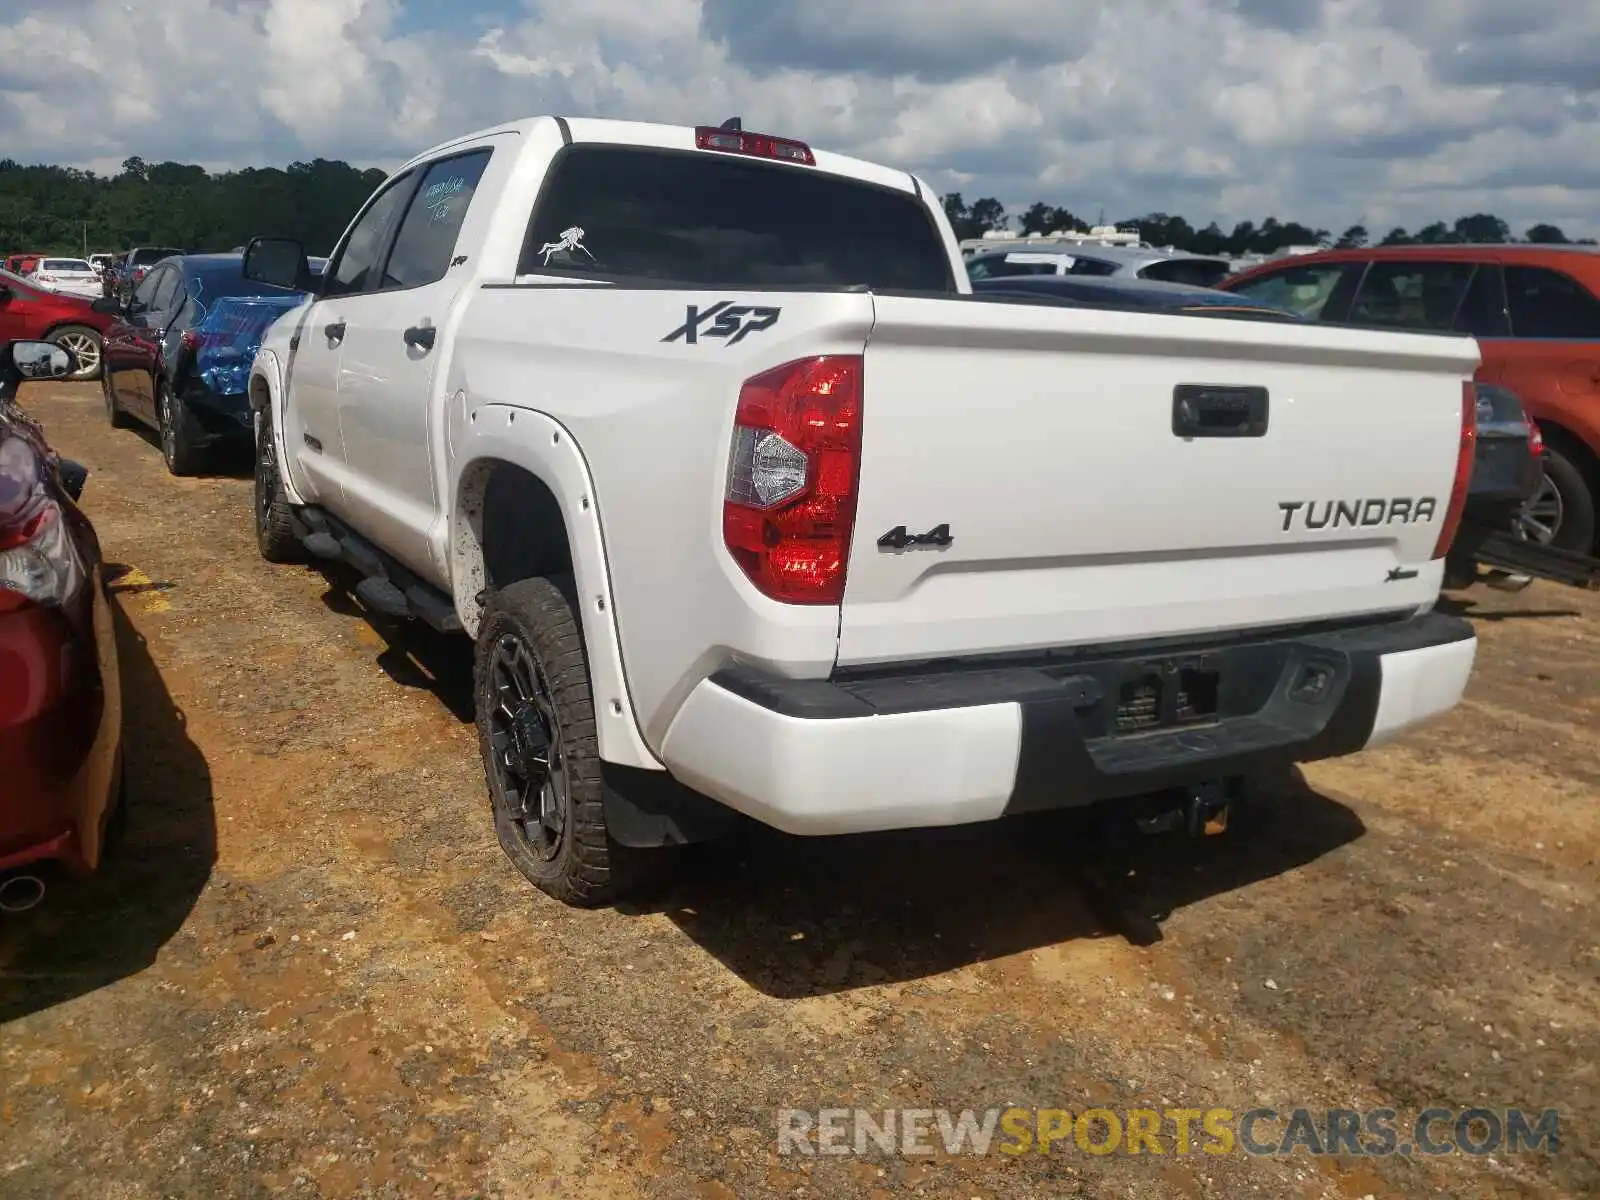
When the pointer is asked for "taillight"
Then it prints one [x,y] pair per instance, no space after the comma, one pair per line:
[196,340]
[757,145]
[1535,439]
[38,561]
[793,470]
[1463,480]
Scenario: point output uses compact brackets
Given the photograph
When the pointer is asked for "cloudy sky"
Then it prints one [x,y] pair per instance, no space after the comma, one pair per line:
[1325,111]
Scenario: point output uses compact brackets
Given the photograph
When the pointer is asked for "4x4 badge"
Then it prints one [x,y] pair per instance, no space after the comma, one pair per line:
[898,539]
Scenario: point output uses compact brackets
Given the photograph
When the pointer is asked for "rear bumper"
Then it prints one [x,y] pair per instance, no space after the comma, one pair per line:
[60,737]
[949,745]
[222,417]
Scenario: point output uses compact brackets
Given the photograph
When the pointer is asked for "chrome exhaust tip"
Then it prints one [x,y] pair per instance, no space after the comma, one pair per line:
[19,893]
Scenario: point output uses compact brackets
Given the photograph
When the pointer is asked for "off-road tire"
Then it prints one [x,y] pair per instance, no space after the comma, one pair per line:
[588,868]
[274,515]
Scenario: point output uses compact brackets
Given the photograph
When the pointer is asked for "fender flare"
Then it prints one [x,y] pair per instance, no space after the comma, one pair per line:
[540,445]
[267,368]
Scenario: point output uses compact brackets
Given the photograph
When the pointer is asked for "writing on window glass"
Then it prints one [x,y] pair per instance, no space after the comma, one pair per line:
[439,197]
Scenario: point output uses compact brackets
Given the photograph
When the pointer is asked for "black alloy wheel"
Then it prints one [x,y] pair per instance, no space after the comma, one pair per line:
[533,792]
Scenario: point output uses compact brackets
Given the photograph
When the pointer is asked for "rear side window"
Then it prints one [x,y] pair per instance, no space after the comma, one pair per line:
[1304,290]
[166,293]
[1196,272]
[709,220]
[1001,266]
[1483,312]
[144,295]
[1091,266]
[427,238]
[1550,304]
[1424,296]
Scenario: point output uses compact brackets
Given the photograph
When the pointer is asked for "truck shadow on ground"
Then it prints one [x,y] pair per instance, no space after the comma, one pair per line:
[797,917]
[1460,606]
[414,655]
[92,932]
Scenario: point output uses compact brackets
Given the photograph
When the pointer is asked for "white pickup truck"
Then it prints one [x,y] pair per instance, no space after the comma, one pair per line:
[750,505]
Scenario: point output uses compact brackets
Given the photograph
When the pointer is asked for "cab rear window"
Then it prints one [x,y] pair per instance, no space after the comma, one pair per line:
[704,219]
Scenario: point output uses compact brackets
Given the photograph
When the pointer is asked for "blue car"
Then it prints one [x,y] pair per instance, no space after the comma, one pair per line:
[178,356]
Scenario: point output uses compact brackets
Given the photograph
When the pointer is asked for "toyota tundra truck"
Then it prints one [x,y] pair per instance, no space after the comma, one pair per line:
[751,507]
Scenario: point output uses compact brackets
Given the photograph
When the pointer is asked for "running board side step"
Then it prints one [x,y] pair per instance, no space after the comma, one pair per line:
[386,587]
[1509,553]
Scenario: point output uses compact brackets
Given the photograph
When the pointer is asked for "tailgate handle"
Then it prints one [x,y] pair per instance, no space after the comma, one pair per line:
[1204,410]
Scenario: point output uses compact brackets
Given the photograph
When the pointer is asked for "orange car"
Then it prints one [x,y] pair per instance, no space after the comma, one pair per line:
[1535,310]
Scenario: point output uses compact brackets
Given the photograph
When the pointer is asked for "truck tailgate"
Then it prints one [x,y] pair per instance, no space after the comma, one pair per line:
[1046,440]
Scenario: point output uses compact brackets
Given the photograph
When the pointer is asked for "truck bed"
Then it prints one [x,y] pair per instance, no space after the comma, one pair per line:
[1042,436]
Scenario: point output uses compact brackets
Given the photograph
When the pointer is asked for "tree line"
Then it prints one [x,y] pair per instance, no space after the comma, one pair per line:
[1162,229]
[59,210]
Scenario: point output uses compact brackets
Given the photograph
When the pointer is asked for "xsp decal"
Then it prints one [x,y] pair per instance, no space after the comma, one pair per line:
[724,319]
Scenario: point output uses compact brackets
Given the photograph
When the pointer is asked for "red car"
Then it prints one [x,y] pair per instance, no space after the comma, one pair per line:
[60,697]
[30,313]
[1535,310]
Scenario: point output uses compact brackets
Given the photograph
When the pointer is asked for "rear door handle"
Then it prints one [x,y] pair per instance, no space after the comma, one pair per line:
[1204,411]
[421,336]
[334,332]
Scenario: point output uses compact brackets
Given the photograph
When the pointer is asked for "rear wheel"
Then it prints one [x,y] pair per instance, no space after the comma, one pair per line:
[1562,512]
[85,346]
[180,434]
[536,731]
[114,414]
[275,534]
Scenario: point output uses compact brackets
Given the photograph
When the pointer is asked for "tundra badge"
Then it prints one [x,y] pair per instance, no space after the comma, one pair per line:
[1334,514]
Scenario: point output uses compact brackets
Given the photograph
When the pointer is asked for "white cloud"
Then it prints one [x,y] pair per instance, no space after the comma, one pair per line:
[1325,111]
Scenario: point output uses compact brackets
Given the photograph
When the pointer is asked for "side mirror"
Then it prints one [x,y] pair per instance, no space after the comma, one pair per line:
[73,476]
[38,360]
[278,261]
[106,304]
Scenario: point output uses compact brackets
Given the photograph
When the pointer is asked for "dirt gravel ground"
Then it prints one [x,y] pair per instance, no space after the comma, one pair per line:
[311,972]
